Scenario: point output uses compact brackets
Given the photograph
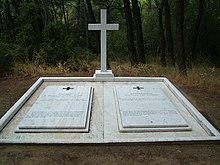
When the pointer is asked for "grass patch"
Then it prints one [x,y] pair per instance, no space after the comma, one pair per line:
[203,77]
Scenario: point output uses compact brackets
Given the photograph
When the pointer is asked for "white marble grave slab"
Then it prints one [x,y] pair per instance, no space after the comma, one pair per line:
[147,108]
[59,107]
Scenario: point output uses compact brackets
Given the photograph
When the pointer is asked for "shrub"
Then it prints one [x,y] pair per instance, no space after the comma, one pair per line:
[53,48]
[80,59]
[6,57]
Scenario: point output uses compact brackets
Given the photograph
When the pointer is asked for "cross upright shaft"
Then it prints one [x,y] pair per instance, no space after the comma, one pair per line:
[103,27]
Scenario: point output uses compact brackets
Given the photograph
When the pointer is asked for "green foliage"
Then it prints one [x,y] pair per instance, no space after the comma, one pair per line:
[53,47]
[36,31]
[82,54]
[208,49]
[150,32]
[208,46]
[28,31]
[6,57]
[25,43]
[79,58]
[76,37]
[117,45]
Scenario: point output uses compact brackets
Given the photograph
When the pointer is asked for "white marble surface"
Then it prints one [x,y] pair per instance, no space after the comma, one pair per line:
[107,73]
[59,107]
[146,107]
[103,27]
[103,76]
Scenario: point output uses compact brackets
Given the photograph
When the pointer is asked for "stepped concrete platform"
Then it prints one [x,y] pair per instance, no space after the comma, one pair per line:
[103,110]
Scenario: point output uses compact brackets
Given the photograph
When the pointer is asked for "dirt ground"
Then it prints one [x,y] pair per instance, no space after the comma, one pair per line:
[208,103]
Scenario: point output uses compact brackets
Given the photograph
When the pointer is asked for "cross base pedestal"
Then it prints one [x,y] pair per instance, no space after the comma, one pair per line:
[103,75]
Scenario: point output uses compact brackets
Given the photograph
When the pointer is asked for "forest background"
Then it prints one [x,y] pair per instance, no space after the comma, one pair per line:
[180,33]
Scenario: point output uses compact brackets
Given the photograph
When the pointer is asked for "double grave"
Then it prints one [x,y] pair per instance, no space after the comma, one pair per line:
[104,109]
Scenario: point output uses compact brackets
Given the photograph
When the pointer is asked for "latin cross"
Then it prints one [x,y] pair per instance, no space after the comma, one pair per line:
[103,27]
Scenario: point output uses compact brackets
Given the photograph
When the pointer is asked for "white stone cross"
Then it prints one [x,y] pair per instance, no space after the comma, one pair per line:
[103,26]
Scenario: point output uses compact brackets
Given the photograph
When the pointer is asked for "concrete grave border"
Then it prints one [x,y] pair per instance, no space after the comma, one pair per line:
[203,122]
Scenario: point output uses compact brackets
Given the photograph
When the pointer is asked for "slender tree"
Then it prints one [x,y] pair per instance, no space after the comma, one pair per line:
[91,19]
[9,19]
[78,11]
[45,12]
[179,37]
[86,25]
[196,33]
[64,16]
[15,4]
[139,33]
[160,5]
[130,34]
[1,23]
[54,12]
[169,37]
[40,21]
[149,3]
[219,4]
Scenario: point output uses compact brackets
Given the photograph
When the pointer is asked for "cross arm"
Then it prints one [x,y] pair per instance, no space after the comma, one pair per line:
[103,26]
[112,27]
[94,26]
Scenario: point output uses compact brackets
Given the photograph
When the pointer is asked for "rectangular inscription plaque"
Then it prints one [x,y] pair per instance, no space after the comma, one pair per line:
[146,107]
[60,107]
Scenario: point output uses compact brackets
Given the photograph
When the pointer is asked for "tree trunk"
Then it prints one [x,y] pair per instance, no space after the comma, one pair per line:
[139,33]
[86,25]
[91,19]
[169,37]
[149,5]
[64,16]
[45,12]
[219,4]
[40,21]
[160,5]
[54,11]
[179,37]
[9,19]
[130,34]
[1,23]
[195,34]
[78,11]
[16,3]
